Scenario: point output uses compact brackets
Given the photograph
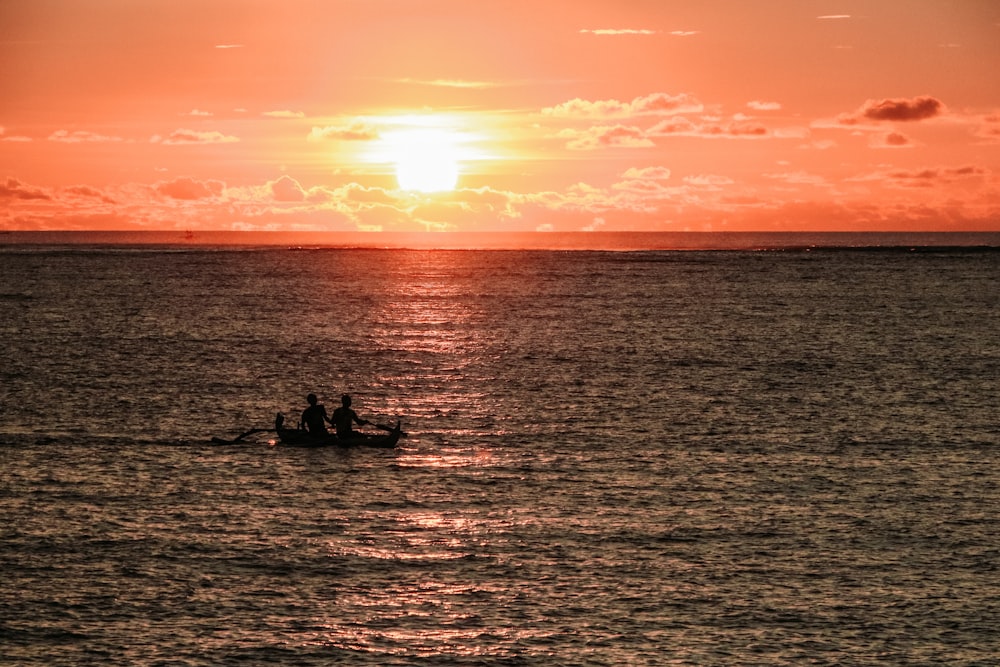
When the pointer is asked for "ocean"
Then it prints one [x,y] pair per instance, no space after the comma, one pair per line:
[773,454]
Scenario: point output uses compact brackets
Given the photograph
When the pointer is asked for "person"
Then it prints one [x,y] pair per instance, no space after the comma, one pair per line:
[344,417]
[314,417]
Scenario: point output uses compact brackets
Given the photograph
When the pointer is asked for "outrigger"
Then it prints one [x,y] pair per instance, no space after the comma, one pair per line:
[297,437]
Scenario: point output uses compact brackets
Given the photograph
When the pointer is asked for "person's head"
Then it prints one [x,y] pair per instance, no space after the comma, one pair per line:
[346,400]
[312,399]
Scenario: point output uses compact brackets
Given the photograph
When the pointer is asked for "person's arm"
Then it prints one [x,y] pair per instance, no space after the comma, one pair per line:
[360,421]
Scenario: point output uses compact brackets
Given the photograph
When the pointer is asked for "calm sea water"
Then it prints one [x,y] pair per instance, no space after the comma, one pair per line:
[641,458]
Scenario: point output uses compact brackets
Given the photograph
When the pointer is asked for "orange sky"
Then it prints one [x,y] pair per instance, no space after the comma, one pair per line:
[565,115]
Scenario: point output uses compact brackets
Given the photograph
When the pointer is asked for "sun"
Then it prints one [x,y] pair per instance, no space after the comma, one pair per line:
[425,158]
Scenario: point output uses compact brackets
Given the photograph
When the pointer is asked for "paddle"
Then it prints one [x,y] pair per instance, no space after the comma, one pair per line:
[390,429]
[239,439]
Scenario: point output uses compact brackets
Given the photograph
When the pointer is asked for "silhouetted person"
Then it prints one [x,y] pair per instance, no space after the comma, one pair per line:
[314,417]
[344,417]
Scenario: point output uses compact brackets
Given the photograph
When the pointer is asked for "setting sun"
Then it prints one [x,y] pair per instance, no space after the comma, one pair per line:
[425,160]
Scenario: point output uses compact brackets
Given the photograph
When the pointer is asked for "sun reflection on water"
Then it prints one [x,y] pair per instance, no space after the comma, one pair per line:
[478,457]
[432,348]
[427,618]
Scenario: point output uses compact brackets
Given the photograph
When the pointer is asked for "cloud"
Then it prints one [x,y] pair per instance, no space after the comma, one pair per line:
[229,46]
[647,183]
[677,125]
[944,173]
[641,192]
[585,109]
[356,193]
[189,189]
[901,110]
[662,103]
[927,177]
[758,105]
[797,178]
[80,136]
[641,200]
[606,136]
[735,130]
[199,112]
[288,189]
[685,33]
[87,192]
[711,181]
[356,131]
[450,83]
[989,128]
[833,17]
[919,108]
[180,137]
[619,31]
[647,174]
[654,104]
[284,113]
[739,128]
[15,189]
[893,140]
[5,137]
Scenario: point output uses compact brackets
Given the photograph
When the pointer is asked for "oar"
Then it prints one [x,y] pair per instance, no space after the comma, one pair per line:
[238,439]
[390,429]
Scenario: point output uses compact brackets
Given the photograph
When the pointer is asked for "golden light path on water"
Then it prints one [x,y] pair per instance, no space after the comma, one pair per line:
[433,329]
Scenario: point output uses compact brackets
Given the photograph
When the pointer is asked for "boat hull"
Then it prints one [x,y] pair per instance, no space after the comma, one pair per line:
[297,438]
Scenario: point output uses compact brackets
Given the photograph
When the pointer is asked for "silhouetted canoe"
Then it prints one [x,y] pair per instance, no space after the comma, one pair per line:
[295,437]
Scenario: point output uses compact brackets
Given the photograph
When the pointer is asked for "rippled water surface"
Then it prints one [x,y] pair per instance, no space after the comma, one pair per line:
[692,458]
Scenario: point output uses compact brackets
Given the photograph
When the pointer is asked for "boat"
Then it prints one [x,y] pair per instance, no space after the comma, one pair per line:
[297,437]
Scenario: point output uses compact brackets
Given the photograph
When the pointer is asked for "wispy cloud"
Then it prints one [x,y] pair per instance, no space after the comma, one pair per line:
[81,136]
[711,181]
[356,131]
[927,177]
[936,175]
[618,31]
[833,17]
[606,136]
[989,128]
[738,128]
[647,174]
[229,46]
[799,177]
[284,113]
[451,83]
[11,137]
[654,104]
[182,136]
[758,105]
